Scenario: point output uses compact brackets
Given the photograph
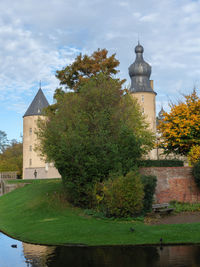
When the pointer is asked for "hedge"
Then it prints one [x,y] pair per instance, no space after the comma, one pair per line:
[196,173]
[149,182]
[161,163]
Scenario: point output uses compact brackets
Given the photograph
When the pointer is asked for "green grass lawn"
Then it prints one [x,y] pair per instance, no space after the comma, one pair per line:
[38,213]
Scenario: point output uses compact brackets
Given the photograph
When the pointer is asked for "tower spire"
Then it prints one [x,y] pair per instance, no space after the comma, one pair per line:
[138,39]
[140,72]
[37,105]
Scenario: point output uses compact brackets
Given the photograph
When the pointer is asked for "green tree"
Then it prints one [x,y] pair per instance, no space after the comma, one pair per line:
[93,133]
[12,158]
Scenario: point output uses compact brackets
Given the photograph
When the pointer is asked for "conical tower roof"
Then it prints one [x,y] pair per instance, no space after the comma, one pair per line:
[39,102]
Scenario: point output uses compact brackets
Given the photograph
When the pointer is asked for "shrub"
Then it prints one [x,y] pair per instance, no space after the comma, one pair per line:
[182,207]
[123,196]
[194,155]
[149,183]
[79,192]
[196,173]
[161,163]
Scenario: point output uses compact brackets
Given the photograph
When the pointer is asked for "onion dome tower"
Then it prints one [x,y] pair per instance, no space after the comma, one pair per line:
[33,165]
[142,87]
[161,114]
[160,117]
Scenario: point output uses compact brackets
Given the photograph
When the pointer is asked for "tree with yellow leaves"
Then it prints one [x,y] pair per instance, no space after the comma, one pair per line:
[180,128]
[194,155]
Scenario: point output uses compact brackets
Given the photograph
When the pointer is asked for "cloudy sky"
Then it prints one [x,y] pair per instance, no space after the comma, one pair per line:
[39,37]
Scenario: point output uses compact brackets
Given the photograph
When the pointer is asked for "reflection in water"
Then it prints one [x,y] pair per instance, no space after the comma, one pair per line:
[105,256]
[27,255]
[127,256]
[182,256]
[37,256]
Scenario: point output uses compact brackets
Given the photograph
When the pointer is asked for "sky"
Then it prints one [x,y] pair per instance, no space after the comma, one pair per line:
[39,37]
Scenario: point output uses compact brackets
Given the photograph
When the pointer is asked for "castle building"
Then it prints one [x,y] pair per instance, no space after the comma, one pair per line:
[33,165]
[142,89]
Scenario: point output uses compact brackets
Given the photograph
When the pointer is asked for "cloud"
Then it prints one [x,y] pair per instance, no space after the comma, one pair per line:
[149,18]
[39,37]
[190,7]
[123,4]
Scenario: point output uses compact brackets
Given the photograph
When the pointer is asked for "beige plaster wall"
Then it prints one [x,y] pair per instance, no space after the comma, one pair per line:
[148,107]
[31,158]
[46,172]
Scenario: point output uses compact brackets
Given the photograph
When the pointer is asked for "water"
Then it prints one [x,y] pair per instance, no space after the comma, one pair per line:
[27,255]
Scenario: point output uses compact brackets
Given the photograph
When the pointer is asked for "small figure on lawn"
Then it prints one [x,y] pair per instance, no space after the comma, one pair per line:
[35,174]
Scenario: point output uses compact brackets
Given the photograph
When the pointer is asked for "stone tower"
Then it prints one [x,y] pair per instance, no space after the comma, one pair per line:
[33,165]
[142,88]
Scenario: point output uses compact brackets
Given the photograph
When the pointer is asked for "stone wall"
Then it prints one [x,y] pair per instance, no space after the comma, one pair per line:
[174,183]
[6,188]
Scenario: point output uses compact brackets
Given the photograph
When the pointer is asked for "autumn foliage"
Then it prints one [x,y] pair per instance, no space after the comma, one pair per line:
[194,155]
[180,127]
[84,67]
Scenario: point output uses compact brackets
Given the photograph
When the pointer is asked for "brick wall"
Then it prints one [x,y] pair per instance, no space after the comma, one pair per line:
[174,183]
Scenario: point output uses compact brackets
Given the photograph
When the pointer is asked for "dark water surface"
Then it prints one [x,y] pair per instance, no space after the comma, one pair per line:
[59,256]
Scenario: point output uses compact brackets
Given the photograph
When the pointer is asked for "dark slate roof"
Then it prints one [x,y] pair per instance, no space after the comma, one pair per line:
[140,72]
[39,102]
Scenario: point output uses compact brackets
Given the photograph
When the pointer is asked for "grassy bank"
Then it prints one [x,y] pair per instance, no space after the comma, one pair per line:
[38,213]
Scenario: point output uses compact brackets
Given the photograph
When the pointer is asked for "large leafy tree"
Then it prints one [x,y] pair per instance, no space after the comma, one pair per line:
[11,159]
[180,127]
[93,133]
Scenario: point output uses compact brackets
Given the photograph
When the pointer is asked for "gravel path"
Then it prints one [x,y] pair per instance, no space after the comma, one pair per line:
[184,217]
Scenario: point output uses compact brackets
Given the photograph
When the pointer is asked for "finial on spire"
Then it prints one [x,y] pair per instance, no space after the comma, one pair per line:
[138,39]
[40,85]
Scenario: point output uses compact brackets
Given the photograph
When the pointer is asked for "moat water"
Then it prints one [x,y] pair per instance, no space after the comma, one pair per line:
[14,253]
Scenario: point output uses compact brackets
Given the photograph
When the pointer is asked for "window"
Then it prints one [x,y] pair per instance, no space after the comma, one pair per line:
[46,167]
[30,162]
[30,131]
[143,98]
[142,110]
[30,148]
